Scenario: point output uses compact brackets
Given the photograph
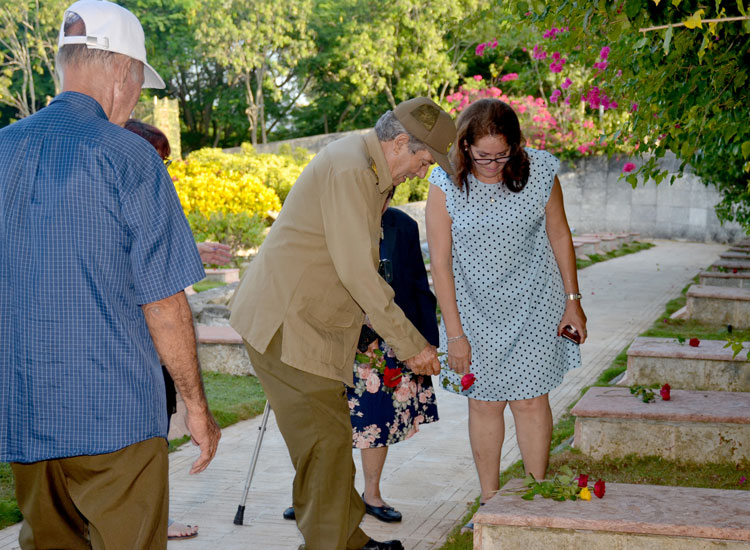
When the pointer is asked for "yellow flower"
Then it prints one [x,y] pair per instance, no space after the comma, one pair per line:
[585,494]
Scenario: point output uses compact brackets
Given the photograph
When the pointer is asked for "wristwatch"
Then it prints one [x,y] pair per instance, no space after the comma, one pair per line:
[576,296]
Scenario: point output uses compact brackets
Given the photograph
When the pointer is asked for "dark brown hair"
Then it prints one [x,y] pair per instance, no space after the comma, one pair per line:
[490,117]
[152,134]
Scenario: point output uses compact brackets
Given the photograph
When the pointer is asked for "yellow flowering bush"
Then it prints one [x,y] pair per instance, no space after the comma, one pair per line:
[228,197]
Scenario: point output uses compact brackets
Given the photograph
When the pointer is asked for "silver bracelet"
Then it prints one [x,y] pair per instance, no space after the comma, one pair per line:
[456,338]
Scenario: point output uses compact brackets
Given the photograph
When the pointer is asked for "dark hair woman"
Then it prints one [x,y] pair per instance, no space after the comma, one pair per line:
[490,117]
[505,276]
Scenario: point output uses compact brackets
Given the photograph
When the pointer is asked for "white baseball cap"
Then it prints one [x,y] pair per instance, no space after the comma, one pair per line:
[112,28]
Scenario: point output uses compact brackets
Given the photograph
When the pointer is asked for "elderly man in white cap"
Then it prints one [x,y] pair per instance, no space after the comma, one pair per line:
[94,255]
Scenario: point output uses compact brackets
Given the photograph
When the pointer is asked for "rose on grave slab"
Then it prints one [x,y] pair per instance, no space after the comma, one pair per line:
[599,488]
[665,392]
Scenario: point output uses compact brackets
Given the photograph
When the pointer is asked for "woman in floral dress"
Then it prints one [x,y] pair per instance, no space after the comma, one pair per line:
[389,407]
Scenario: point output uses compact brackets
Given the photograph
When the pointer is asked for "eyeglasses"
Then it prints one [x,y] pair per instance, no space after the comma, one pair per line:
[167,162]
[487,162]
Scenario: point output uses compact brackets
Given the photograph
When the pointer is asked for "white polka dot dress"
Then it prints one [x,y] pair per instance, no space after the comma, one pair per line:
[509,290]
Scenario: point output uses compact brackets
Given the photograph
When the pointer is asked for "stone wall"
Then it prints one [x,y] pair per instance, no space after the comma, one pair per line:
[164,113]
[597,200]
[312,143]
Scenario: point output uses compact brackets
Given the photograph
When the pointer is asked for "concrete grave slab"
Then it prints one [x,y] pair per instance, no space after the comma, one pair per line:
[741,279]
[634,517]
[701,426]
[710,366]
[719,305]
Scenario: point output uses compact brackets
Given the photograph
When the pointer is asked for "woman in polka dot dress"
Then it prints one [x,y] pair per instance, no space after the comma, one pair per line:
[504,270]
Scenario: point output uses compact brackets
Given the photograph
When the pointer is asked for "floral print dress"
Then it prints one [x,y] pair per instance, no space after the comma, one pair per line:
[388,402]
[383,415]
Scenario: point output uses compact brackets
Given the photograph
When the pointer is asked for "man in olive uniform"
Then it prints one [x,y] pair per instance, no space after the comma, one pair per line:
[301,304]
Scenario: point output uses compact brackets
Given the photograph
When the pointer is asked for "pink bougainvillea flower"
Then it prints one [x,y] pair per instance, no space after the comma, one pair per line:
[633,107]
[599,488]
[538,53]
[478,77]
[742,480]
[694,342]
[583,480]
[467,381]
[493,44]
[565,85]
[555,96]
[556,56]
[509,76]
[628,167]
[665,392]
[604,53]
[480,49]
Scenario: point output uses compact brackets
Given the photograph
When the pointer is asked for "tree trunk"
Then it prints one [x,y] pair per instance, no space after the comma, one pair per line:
[252,109]
[261,73]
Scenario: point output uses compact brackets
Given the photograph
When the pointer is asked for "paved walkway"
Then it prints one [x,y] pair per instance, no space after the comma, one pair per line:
[430,478]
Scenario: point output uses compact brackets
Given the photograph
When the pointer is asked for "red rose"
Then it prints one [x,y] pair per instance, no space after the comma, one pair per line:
[599,488]
[664,391]
[391,377]
[467,381]
[583,480]
[694,342]
[734,270]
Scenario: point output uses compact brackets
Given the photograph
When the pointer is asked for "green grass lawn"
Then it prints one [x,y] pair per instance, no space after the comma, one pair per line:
[230,398]
[205,284]
[623,250]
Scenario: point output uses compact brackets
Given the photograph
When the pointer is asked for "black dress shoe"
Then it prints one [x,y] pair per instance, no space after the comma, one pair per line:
[386,545]
[289,513]
[383,513]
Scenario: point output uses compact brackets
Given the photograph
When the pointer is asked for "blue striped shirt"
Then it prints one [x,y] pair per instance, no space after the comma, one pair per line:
[91,228]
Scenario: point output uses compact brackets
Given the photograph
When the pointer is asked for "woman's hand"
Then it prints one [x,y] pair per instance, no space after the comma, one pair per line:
[214,253]
[574,317]
[459,355]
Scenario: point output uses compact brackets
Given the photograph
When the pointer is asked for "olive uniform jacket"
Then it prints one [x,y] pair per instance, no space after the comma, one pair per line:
[315,275]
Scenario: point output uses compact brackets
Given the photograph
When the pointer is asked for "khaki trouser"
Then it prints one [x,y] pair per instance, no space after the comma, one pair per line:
[312,413]
[113,501]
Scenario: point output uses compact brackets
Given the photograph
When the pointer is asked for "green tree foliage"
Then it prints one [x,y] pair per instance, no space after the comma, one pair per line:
[686,82]
[372,54]
[28,41]
[258,43]
[211,112]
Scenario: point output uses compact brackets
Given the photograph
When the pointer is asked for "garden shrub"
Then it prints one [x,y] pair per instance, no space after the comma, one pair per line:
[238,230]
[230,197]
[412,190]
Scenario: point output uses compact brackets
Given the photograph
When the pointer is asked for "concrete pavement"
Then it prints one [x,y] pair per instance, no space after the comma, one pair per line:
[429,478]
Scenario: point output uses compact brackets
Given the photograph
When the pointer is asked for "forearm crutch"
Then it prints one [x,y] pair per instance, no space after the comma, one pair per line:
[240,515]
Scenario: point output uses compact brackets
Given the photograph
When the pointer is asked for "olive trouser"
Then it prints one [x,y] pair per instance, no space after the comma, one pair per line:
[312,413]
[113,501]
